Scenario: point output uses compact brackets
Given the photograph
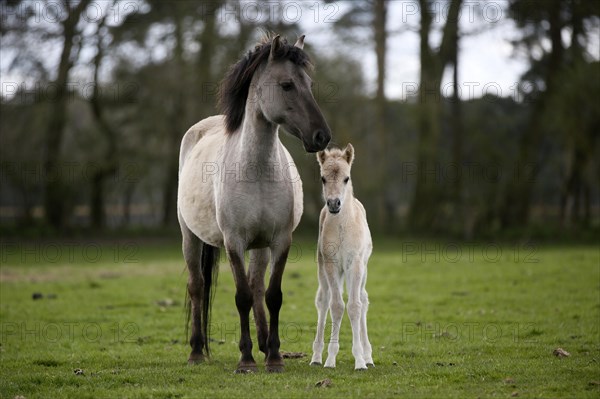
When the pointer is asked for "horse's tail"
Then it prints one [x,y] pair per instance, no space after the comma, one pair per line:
[209,266]
[209,263]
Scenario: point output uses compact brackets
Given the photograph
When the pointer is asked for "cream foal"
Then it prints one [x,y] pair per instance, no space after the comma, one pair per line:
[344,249]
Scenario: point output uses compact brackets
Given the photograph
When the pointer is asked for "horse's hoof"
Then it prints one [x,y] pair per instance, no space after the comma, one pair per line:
[370,365]
[245,368]
[244,371]
[196,359]
[274,365]
[316,364]
[360,369]
[275,368]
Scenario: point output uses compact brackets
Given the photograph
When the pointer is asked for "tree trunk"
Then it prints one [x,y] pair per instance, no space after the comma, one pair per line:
[517,201]
[379,21]
[207,84]
[176,115]
[54,185]
[108,166]
[457,131]
[428,191]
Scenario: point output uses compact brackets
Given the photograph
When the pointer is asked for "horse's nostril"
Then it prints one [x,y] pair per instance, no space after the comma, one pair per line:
[320,137]
[337,203]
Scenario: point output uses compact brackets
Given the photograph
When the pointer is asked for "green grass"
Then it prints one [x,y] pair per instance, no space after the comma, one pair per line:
[480,323]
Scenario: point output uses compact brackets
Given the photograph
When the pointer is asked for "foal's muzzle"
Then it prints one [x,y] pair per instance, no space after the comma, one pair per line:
[334,205]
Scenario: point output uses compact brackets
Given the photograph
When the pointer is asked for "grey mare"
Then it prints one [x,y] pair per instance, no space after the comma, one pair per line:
[239,189]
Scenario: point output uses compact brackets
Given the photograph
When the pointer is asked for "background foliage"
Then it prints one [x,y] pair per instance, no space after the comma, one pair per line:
[91,139]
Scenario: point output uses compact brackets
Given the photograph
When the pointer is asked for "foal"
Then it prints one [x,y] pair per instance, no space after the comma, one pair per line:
[344,249]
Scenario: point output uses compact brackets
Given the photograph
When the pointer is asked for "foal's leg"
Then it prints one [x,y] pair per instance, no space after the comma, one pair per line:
[274,298]
[364,337]
[256,278]
[354,277]
[334,278]
[195,287]
[322,305]
[243,301]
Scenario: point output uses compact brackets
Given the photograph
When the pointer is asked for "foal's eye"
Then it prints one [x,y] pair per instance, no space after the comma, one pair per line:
[346,180]
[286,86]
[323,179]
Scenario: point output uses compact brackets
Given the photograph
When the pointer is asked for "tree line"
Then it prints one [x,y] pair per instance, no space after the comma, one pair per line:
[93,138]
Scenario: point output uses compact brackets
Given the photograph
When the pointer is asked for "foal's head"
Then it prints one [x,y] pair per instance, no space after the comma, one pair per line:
[275,75]
[335,176]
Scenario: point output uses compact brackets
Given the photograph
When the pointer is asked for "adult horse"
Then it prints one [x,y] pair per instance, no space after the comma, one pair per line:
[239,189]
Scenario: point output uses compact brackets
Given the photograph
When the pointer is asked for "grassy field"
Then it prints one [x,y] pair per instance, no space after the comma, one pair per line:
[446,320]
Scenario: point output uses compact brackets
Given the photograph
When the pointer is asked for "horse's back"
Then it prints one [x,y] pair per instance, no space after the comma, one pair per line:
[201,147]
[211,125]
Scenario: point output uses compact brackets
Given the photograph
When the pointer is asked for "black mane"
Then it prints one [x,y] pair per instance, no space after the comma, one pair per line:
[235,86]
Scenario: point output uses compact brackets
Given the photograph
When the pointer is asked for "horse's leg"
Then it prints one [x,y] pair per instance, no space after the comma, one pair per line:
[337,312]
[354,278]
[274,298]
[195,287]
[243,301]
[364,337]
[322,305]
[256,278]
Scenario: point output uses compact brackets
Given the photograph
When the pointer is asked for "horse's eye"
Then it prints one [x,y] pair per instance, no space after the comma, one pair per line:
[286,86]
[346,180]
[323,179]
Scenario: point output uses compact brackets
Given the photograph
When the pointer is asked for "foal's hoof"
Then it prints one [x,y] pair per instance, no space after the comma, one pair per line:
[245,368]
[316,364]
[196,358]
[370,365]
[360,369]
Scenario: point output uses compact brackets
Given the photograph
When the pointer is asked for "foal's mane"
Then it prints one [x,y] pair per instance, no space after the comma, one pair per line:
[235,86]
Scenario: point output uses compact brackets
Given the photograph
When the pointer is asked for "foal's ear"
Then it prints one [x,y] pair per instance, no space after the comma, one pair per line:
[275,46]
[300,42]
[321,155]
[349,154]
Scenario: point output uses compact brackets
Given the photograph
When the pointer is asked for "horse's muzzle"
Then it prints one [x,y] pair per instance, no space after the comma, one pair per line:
[320,139]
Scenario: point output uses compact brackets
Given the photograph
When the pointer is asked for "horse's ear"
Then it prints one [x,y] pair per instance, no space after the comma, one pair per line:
[300,42]
[321,155]
[349,154]
[275,46]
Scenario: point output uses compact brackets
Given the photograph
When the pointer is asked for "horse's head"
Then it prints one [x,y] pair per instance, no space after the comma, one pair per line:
[286,97]
[335,176]
[274,77]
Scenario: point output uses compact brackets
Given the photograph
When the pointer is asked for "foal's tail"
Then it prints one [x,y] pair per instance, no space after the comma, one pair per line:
[209,265]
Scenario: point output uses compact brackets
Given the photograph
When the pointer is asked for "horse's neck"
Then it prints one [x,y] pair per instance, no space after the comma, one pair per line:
[259,140]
